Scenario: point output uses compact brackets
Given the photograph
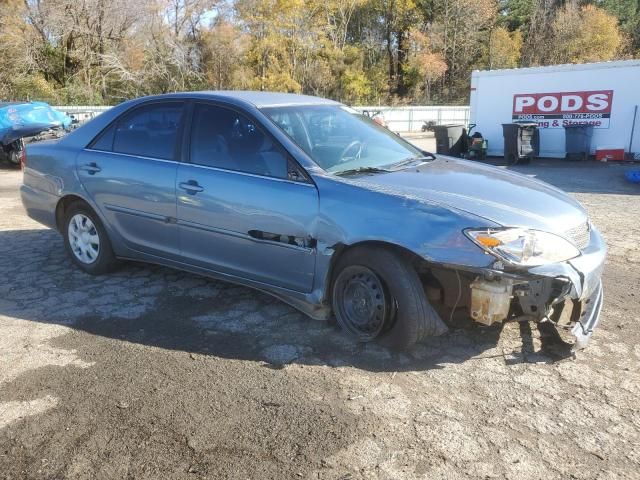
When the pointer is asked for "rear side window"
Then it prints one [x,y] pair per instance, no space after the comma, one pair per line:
[150,131]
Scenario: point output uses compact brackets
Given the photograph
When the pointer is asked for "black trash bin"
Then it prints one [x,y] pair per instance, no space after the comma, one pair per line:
[450,139]
[521,142]
[578,141]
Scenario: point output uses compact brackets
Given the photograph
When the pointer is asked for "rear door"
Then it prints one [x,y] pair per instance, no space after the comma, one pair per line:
[129,171]
[244,207]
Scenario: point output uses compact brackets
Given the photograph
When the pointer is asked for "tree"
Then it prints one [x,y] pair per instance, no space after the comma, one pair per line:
[515,14]
[459,31]
[278,37]
[14,56]
[587,34]
[628,14]
[358,51]
[223,49]
[539,40]
[425,67]
[504,48]
[397,17]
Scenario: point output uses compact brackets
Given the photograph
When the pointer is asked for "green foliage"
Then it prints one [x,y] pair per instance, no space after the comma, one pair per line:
[35,88]
[515,14]
[587,34]
[504,48]
[355,86]
[356,51]
[628,14]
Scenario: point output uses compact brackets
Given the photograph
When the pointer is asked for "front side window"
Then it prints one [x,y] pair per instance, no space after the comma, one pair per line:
[224,138]
[149,131]
[339,139]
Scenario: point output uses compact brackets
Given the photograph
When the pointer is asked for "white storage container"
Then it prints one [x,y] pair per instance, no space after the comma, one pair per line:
[601,94]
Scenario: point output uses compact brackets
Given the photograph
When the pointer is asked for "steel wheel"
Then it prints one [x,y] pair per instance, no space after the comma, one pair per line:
[84,239]
[364,305]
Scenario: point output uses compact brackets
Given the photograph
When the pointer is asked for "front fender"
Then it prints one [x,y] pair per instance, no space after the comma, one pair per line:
[351,214]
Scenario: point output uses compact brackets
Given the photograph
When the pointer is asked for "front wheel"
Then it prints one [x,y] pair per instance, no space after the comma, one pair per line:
[377,295]
[511,159]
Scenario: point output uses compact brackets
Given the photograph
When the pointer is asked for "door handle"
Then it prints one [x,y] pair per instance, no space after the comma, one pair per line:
[191,187]
[91,168]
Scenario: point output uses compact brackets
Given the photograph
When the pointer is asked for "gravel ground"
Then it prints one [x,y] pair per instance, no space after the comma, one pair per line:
[153,373]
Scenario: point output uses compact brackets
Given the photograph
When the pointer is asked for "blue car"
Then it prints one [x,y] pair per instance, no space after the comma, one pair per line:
[314,203]
[26,119]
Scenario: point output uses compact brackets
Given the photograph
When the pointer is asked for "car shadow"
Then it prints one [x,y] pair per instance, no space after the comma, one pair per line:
[161,307]
[5,165]
[593,177]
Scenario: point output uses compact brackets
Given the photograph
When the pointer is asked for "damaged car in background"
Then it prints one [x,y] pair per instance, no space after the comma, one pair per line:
[312,202]
[22,122]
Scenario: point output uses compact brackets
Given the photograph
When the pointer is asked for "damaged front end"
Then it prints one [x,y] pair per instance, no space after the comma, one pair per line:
[23,121]
[568,294]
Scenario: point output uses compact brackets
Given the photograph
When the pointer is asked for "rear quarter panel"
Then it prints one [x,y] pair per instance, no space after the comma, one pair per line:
[49,174]
[50,167]
[50,171]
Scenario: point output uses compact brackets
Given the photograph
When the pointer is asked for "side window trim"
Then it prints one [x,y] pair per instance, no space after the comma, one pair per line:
[180,132]
[186,156]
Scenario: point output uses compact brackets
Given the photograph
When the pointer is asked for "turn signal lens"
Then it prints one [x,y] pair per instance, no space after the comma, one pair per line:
[488,241]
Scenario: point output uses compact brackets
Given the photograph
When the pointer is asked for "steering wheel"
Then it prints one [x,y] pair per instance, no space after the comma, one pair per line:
[356,143]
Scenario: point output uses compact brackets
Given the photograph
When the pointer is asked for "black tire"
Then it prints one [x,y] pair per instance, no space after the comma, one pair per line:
[14,153]
[14,158]
[105,260]
[511,159]
[409,316]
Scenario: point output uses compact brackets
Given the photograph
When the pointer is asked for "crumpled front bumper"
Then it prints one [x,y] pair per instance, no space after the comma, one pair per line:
[584,274]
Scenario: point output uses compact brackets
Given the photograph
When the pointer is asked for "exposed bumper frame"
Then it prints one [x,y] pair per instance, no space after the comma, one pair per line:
[589,318]
[581,277]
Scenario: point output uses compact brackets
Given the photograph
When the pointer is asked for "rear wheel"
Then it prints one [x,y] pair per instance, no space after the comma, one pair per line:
[14,153]
[86,240]
[377,295]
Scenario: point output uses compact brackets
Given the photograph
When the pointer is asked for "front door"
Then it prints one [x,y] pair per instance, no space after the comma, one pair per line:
[129,172]
[241,209]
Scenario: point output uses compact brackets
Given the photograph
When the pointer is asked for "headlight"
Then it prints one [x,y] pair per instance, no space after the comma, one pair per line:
[523,247]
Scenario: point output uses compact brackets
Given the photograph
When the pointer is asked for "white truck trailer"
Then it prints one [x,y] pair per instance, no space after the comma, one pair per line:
[604,95]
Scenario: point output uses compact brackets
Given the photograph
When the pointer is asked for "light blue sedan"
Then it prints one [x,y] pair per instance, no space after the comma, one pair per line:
[310,201]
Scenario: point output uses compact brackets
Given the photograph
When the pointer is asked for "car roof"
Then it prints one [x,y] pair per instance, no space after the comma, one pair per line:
[257,99]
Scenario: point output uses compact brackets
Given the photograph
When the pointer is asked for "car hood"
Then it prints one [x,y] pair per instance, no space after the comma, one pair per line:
[501,196]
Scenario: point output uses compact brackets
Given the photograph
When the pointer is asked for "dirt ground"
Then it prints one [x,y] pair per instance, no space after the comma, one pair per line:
[153,373]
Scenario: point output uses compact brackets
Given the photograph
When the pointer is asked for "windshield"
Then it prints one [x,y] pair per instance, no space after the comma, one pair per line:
[340,139]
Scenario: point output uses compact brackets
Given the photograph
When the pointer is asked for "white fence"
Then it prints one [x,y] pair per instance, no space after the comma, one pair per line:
[82,113]
[411,119]
[399,119]
[82,108]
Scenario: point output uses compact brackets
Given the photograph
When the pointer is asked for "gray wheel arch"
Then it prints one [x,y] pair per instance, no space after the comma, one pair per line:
[341,248]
